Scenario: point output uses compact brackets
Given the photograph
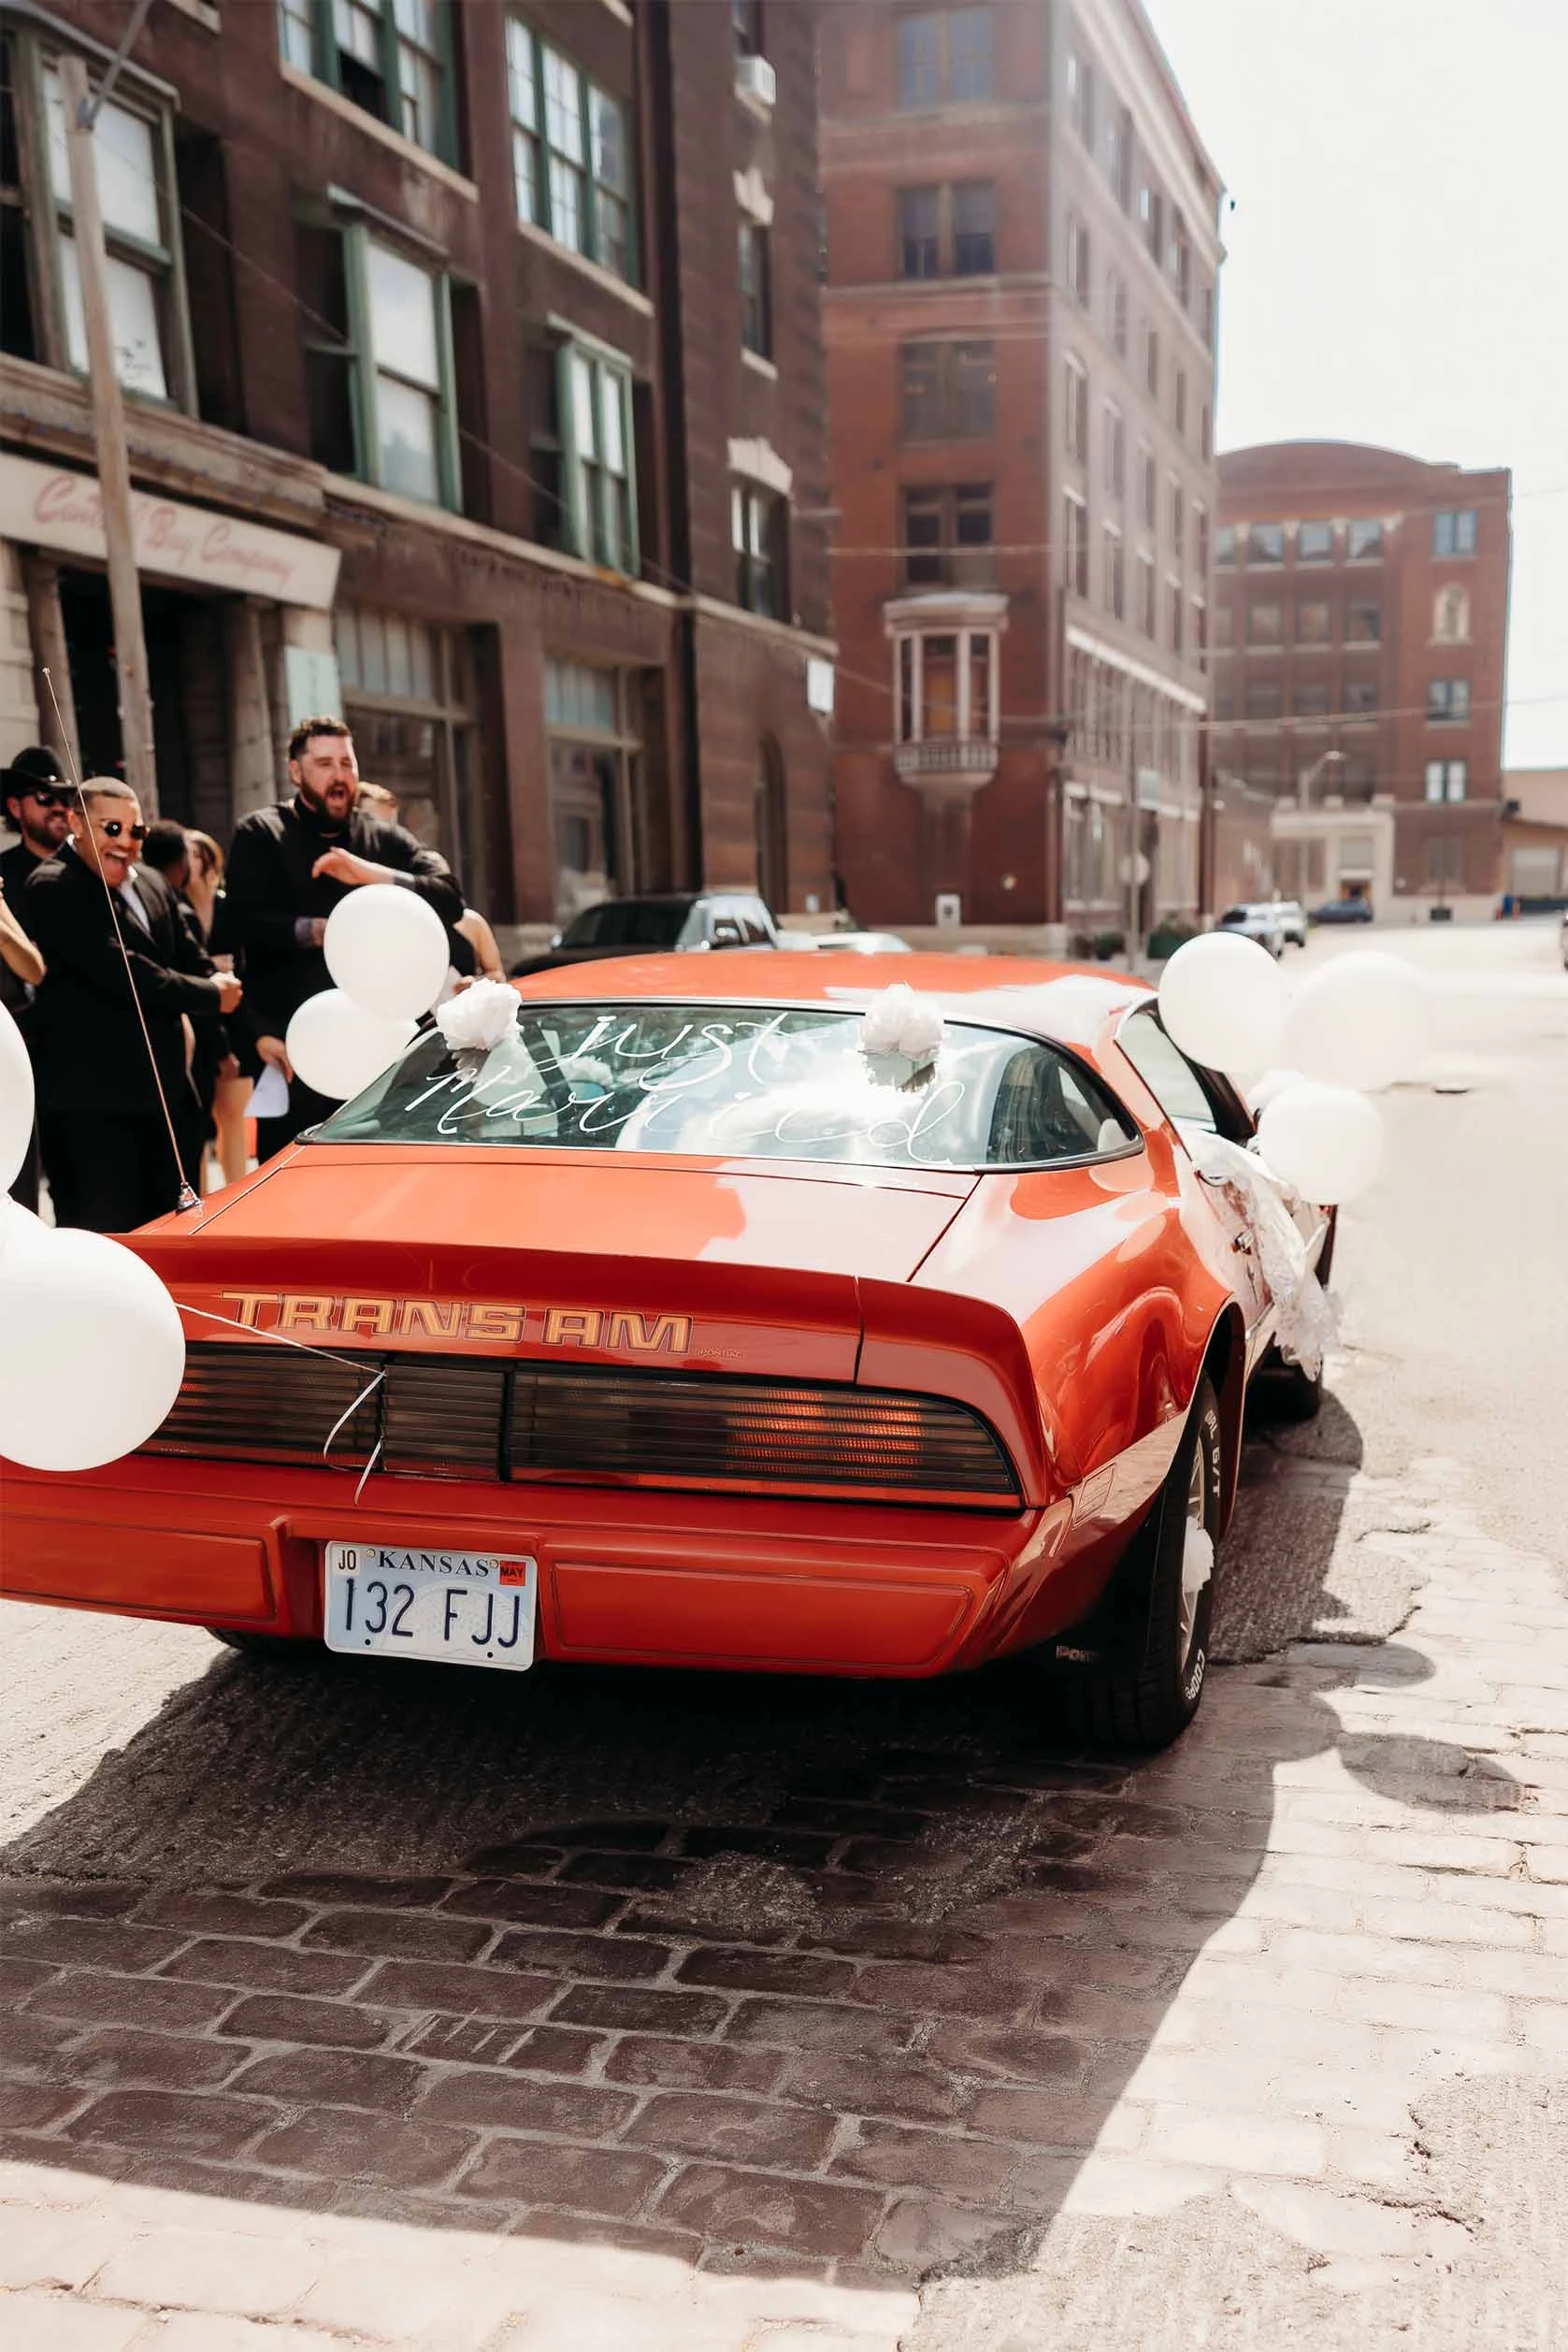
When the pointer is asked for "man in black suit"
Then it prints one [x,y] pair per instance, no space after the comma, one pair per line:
[289,866]
[36,798]
[106,1145]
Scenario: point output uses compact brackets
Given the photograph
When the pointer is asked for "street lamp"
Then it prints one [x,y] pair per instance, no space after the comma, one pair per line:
[1305,781]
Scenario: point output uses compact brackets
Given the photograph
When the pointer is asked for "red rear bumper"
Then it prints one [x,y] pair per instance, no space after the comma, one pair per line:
[636,1576]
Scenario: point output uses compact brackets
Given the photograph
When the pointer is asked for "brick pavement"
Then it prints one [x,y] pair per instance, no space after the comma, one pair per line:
[749,2084]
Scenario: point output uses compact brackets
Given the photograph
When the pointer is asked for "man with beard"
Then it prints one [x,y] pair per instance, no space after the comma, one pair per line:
[36,799]
[289,866]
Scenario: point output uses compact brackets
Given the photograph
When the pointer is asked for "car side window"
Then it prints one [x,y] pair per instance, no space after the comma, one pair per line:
[1168,1076]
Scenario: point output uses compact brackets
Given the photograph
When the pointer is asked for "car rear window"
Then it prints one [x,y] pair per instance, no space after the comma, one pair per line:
[754,1083]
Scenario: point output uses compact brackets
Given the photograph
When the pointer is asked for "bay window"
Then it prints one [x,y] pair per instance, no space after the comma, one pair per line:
[570,153]
[947,685]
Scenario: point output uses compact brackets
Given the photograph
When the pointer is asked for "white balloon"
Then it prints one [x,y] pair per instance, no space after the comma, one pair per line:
[95,1350]
[388,950]
[1222,1001]
[1361,1021]
[339,1049]
[1325,1140]
[1260,1091]
[16,1101]
[19,1227]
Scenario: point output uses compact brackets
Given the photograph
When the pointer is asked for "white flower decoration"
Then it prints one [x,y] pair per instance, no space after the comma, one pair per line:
[898,1022]
[479,1017]
[587,1069]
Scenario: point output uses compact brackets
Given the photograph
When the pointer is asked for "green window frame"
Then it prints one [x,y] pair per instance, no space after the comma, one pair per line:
[572,153]
[403,45]
[404,374]
[598,463]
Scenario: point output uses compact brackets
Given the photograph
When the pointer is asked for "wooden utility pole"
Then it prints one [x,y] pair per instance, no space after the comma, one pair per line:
[108,432]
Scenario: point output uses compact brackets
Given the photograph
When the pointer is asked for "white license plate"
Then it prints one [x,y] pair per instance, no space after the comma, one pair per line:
[403,1601]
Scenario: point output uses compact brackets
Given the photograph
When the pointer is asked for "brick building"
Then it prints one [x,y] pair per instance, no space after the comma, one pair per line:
[1022,265]
[475,384]
[1361,627]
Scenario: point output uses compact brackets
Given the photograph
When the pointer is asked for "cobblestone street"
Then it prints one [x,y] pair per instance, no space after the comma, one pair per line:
[351,2006]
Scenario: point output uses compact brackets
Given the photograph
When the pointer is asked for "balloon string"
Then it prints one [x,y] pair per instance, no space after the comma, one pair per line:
[327,1355]
[187,1198]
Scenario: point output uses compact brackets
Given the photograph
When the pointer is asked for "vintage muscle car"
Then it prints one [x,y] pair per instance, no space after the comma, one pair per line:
[679,1328]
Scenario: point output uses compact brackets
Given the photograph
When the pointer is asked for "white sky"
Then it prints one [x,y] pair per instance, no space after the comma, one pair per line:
[1398,257]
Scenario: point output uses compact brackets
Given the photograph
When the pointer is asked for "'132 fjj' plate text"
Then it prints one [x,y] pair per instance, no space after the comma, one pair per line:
[463,1607]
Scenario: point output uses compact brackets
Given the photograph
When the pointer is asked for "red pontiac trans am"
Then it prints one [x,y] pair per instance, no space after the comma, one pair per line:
[677,1329]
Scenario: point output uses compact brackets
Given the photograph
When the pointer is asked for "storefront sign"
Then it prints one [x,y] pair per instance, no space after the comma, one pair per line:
[48,506]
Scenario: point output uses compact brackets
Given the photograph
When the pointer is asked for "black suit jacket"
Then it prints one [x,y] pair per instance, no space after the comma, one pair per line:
[269,887]
[88,1049]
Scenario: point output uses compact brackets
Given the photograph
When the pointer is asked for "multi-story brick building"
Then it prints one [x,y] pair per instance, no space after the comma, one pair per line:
[1022,260]
[1360,629]
[475,382]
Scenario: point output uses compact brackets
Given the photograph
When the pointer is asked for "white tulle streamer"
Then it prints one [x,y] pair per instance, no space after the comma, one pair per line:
[1306,1320]
[899,1021]
[481,1016]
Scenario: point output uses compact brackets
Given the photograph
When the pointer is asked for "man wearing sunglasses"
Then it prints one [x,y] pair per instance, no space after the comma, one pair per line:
[105,1147]
[36,795]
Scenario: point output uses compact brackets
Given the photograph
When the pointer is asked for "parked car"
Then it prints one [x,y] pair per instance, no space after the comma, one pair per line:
[681,1333]
[1258,921]
[862,944]
[678,919]
[1343,911]
[1292,921]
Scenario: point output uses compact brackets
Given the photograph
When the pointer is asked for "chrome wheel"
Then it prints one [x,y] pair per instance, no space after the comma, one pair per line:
[1197,1557]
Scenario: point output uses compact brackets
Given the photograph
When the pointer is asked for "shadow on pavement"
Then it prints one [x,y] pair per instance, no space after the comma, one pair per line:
[777,1974]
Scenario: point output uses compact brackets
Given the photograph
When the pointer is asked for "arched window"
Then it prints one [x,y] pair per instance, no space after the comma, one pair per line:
[770,816]
[1451,618]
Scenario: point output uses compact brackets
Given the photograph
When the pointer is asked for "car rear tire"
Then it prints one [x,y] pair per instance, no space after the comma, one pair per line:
[281,1647]
[1148,1702]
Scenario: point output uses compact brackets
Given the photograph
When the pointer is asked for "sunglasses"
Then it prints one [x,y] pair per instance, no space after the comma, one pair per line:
[113,826]
[48,797]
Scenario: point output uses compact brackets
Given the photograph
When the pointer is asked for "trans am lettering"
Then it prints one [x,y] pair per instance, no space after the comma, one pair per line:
[309,1314]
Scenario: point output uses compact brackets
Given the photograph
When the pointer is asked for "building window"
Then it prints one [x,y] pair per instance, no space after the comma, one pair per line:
[1447,699]
[1114,437]
[759,528]
[947,232]
[1200,539]
[1075,562]
[1205,432]
[570,153]
[1118,154]
[1116,303]
[1314,625]
[1224,627]
[1177,610]
[1265,543]
[1078,264]
[1314,543]
[1453,532]
[1178,518]
[944,57]
[1151,221]
[756,302]
[1150,506]
[1310,697]
[1225,543]
[949,392]
[1180,261]
[408,387]
[745,17]
[1265,624]
[1206,315]
[1180,404]
[1363,625]
[1200,630]
[1263,701]
[1079,95]
[1446,779]
[1116,573]
[1077,411]
[136,197]
[1361,698]
[1151,360]
[593,779]
[390,57]
[946,687]
[1365,541]
[600,482]
[408,693]
[1451,618]
[948,535]
[1146,591]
